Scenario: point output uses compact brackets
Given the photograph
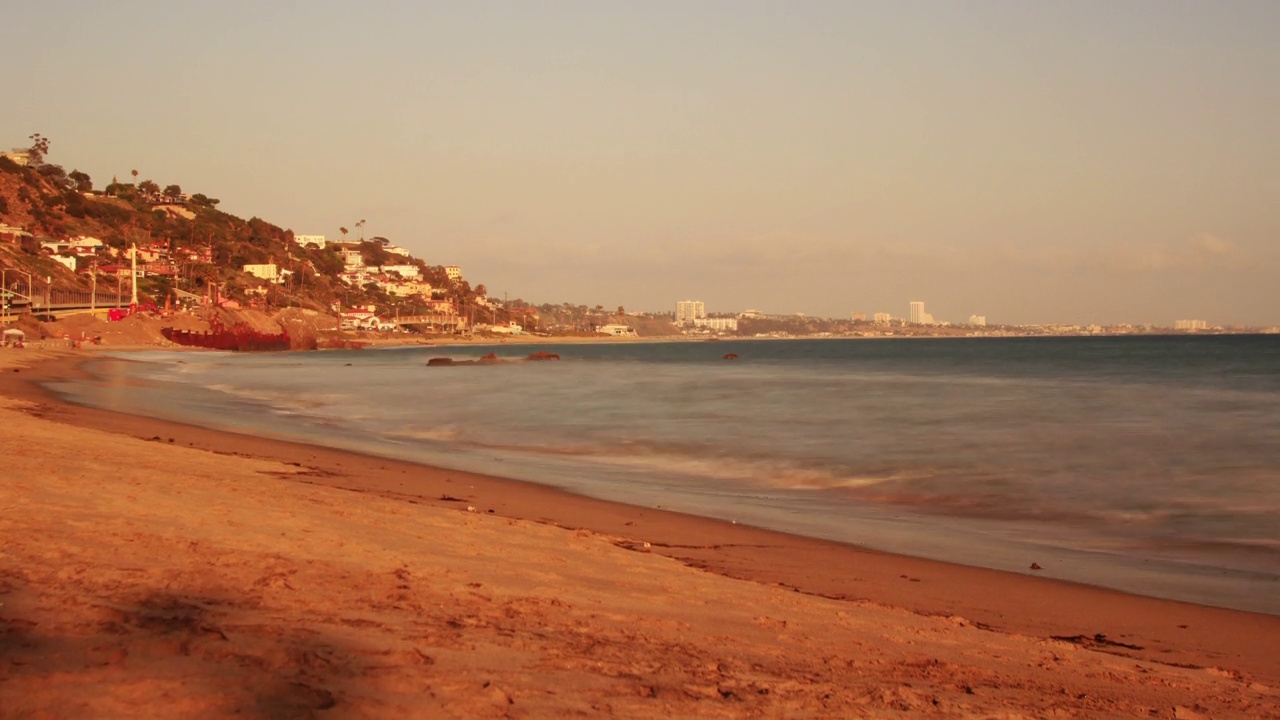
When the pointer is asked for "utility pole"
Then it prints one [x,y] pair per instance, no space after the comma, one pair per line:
[93,291]
[133,264]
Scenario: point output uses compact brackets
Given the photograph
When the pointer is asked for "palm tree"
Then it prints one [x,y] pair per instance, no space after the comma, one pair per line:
[344,233]
[135,177]
[360,227]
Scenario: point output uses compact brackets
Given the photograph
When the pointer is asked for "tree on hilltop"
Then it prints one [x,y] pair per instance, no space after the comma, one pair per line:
[173,192]
[56,175]
[82,180]
[39,148]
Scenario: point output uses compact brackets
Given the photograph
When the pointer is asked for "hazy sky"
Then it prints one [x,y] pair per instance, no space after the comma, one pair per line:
[1078,161]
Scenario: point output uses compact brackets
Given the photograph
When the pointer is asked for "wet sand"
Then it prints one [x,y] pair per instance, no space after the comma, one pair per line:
[156,569]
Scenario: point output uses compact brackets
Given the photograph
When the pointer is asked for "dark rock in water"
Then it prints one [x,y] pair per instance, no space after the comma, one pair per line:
[543,355]
[731,356]
[439,361]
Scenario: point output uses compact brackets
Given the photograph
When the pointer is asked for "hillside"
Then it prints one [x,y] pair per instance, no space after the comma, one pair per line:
[62,237]
[59,229]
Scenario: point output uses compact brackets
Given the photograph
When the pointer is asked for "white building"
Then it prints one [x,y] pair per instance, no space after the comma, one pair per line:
[918,316]
[978,320]
[882,318]
[266,271]
[405,271]
[453,272]
[21,156]
[305,240]
[688,311]
[718,324]
[1191,325]
[84,241]
[352,258]
[510,328]
[616,330]
[408,289]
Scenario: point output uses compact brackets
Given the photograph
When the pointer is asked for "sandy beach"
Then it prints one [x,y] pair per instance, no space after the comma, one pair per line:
[151,569]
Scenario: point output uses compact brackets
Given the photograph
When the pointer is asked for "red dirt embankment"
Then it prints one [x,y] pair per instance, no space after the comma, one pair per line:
[142,329]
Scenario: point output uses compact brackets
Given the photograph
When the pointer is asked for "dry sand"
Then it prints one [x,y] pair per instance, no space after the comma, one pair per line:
[217,575]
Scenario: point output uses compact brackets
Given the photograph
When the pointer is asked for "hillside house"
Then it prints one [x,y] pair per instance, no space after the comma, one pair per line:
[266,271]
[12,233]
[407,289]
[352,258]
[409,272]
[21,156]
[201,254]
[355,278]
[441,307]
[312,241]
[84,241]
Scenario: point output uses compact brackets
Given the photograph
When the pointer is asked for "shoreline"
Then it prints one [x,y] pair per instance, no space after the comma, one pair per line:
[1109,621]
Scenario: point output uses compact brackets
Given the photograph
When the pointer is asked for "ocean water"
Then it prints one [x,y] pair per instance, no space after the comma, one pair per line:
[1147,464]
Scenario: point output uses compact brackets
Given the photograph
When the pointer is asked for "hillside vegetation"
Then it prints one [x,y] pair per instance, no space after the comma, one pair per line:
[207,247]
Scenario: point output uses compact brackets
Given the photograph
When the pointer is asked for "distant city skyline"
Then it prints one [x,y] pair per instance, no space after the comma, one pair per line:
[1084,162]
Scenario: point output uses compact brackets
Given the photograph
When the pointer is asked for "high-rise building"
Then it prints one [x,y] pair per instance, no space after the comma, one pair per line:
[1191,325]
[858,316]
[882,318]
[689,310]
[916,315]
[978,320]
